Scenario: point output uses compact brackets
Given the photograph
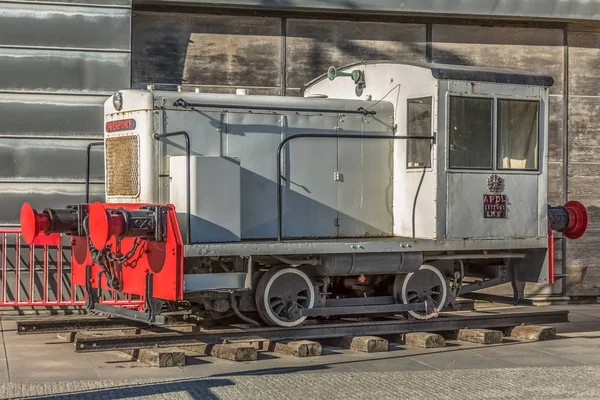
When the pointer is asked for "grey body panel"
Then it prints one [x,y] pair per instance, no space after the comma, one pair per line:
[314,203]
[310,207]
[365,187]
[545,9]
[198,282]
[464,206]
[215,184]
[253,139]
[59,63]
[341,246]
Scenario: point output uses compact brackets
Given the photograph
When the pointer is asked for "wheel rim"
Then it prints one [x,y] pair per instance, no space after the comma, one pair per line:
[419,286]
[281,294]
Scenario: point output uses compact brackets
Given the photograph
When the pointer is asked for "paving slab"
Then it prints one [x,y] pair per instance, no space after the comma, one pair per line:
[20,373]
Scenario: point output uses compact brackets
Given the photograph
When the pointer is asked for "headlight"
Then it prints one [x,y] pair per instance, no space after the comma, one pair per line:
[118,101]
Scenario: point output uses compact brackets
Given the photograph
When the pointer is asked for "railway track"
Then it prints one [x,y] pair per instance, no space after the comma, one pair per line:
[112,334]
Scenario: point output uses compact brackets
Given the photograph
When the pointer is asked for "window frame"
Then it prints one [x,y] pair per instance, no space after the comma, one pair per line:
[432,132]
[494,168]
[539,129]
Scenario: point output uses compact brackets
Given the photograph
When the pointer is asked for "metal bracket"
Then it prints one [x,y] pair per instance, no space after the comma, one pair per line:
[92,297]
[153,306]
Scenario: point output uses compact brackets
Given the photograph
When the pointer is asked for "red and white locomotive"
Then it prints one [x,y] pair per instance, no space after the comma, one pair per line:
[386,188]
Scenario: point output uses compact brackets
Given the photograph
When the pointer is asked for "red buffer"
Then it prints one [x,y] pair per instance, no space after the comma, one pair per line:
[39,227]
[571,220]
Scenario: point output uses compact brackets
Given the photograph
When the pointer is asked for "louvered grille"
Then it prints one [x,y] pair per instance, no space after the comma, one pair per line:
[122,174]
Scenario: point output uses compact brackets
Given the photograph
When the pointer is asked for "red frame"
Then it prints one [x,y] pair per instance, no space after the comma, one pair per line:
[164,260]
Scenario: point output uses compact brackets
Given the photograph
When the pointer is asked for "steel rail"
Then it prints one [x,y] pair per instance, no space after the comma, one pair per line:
[74,324]
[321,331]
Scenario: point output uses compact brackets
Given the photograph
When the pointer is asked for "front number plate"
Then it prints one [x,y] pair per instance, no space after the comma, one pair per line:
[494,206]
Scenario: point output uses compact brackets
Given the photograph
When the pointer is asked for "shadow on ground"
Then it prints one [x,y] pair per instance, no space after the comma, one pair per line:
[193,388]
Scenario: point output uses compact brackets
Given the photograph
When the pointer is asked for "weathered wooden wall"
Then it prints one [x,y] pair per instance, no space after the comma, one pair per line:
[312,46]
[272,55]
[213,52]
[583,255]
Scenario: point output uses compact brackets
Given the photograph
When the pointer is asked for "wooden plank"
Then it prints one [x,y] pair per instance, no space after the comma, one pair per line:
[425,340]
[584,186]
[312,46]
[555,128]
[227,351]
[481,336]
[555,186]
[584,56]
[531,49]
[206,49]
[299,348]
[533,332]
[365,344]
[158,358]
[584,129]
[583,265]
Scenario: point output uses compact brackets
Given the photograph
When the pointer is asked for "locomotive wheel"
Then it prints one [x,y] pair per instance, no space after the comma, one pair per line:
[426,284]
[281,293]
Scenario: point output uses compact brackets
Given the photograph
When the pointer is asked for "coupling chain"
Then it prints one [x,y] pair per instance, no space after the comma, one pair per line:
[113,257]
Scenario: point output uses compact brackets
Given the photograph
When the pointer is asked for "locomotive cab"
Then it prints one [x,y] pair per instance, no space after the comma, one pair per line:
[486,175]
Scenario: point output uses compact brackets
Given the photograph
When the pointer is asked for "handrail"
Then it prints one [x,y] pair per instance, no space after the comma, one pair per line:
[188,201]
[87,168]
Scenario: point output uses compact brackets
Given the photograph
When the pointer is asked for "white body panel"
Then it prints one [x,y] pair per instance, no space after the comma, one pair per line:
[396,84]
[137,105]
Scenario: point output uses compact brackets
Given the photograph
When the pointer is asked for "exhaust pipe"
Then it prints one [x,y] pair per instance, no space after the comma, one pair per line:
[49,221]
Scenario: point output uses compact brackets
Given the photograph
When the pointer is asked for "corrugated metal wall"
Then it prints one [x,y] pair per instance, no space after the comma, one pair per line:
[59,61]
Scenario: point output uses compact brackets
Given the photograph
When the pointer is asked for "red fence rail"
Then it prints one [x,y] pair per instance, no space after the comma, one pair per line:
[39,275]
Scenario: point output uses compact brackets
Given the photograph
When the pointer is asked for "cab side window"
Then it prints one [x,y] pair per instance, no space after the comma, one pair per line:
[419,124]
[470,133]
[518,134]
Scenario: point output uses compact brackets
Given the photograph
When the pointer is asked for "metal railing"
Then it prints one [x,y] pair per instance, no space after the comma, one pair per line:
[40,275]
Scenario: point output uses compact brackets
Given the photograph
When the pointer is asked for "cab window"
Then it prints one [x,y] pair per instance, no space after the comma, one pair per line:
[419,124]
[470,133]
[518,134]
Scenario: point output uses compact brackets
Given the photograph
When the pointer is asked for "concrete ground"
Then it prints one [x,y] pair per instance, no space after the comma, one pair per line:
[41,366]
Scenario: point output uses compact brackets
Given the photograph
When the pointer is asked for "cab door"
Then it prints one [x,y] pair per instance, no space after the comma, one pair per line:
[494,152]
